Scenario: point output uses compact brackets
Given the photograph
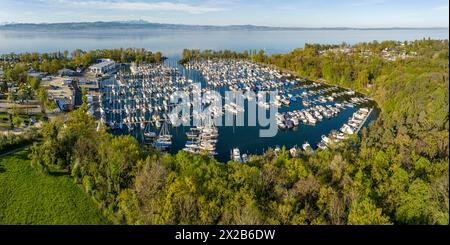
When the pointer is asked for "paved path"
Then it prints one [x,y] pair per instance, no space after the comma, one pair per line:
[15,150]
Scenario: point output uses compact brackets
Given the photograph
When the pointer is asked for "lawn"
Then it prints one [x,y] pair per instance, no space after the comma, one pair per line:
[4,118]
[29,197]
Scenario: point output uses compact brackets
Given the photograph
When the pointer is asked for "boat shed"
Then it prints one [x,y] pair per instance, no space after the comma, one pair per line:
[103,66]
[65,105]
[38,75]
[67,73]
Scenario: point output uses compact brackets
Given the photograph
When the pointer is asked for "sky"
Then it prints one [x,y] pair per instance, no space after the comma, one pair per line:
[282,13]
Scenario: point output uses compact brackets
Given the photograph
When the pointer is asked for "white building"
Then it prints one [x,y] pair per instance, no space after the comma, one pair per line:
[103,66]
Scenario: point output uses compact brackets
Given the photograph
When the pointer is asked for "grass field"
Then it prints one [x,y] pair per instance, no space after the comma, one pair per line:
[4,118]
[28,197]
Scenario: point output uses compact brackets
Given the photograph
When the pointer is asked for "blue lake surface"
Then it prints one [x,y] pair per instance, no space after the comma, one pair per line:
[247,138]
[172,42]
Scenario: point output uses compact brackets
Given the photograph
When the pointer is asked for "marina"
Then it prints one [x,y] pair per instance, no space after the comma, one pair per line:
[139,100]
[186,113]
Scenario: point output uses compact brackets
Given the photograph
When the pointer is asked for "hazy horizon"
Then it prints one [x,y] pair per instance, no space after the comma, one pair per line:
[140,21]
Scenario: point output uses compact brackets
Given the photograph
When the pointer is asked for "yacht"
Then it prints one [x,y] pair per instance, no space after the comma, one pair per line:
[244,158]
[306,146]
[236,155]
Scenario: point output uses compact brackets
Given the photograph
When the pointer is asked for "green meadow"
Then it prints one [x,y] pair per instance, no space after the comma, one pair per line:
[30,197]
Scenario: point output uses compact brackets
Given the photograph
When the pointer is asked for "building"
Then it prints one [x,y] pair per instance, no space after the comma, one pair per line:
[65,104]
[67,82]
[38,75]
[103,66]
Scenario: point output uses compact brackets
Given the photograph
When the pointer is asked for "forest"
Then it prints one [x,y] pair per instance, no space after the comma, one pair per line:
[395,173]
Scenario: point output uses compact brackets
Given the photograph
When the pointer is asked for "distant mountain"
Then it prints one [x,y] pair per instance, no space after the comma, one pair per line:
[141,24]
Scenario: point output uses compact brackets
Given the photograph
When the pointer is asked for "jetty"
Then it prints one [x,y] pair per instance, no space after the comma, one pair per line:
[364,120]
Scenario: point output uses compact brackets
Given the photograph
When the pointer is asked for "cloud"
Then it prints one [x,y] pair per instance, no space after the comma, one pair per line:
[145,6]
[164,6]
[286,8]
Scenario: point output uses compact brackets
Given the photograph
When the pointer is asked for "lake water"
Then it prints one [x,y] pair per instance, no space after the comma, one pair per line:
[171,43]
[247,138]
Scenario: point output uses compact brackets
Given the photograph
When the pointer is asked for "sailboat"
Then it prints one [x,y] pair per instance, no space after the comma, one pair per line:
[148,134]
[164,139]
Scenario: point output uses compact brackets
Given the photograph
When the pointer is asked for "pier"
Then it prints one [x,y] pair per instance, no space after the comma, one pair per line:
[364,121]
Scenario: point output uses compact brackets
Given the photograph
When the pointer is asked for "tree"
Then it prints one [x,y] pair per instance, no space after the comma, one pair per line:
[66,54]
[364,212]
[87,59]
[120,157]
[158,57]
[11,97]
[24,94]
[241,209]
[42,96]
[4,86]
[34,83]
[18,74]
[417,205]
[84,105]
[186,54]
